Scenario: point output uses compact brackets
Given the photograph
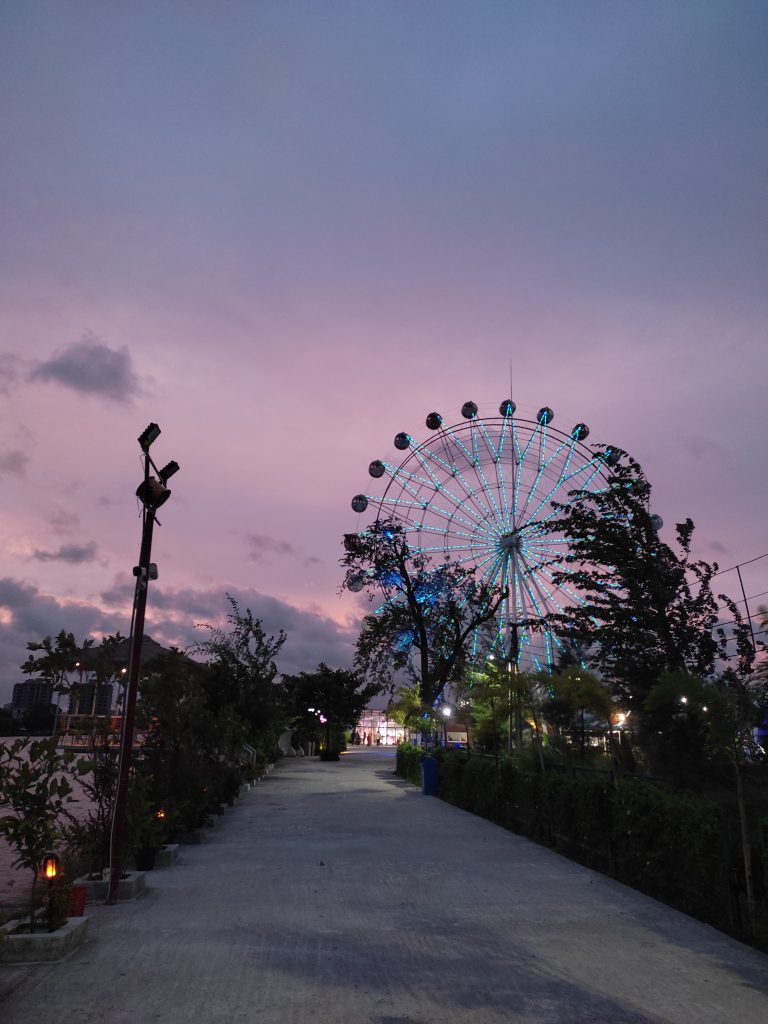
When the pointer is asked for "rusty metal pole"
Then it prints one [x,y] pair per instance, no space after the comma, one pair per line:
[131,694]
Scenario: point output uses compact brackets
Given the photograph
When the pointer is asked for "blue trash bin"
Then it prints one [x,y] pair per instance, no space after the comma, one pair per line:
[429,776]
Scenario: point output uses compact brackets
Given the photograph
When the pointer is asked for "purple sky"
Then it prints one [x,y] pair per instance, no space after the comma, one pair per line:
[287,230]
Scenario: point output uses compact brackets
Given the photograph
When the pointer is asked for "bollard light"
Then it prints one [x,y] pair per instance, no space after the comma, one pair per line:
[50,871]
[50,868]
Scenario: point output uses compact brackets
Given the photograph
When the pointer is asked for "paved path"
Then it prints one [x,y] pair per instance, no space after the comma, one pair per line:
[338,894]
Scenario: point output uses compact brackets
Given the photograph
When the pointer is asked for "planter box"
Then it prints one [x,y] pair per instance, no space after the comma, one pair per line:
[167,855]
[42,946]
[134,883]
[244,788]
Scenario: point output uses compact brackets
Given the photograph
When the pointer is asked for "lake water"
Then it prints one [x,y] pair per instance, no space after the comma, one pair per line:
[15,883]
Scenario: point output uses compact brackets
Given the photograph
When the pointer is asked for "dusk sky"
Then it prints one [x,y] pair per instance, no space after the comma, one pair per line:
[285,231]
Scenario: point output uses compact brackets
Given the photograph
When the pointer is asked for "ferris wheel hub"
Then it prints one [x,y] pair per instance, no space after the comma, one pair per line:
[511,543]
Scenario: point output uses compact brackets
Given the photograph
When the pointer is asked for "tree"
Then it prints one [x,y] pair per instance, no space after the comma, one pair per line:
[426,626]
[90,835]
[405,708]
[647,608]
[339,695]
[243,672]
[490,693]
[54,660]
[576,693]
[180,738]
[726,710]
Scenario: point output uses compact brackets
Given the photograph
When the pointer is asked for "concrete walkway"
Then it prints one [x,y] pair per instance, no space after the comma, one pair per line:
[338,894]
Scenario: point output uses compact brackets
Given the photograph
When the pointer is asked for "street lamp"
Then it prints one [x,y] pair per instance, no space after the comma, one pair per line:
[152,492]
[446,711]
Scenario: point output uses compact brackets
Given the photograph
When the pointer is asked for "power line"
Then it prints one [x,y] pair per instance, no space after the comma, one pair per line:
[740,564]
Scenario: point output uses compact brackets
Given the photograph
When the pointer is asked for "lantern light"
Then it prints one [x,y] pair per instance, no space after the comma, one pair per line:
[50,868]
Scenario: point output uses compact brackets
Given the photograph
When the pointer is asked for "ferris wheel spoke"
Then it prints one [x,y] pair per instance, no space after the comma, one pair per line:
[449,515]
[541,466]
[481,514]
[481,511]
[459,444]
[576,598]
[441,531]
[408,482]
[572,497]
[434,478]
[474,493]
[396,502]
[403,476]
[494,558]
[486,488]
[561,483]
[521,468]
[478,530]
[541,588]
[494,450]
[558,483]
[506,516]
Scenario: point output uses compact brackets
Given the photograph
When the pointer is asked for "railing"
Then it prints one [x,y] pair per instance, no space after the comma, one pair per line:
[87,732]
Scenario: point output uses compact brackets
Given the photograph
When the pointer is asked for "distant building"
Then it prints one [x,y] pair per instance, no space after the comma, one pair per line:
[81,699]
[31,694]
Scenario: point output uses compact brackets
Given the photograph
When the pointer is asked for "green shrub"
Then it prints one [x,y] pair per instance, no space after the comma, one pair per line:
[577,813]
[408,762]
[670,845]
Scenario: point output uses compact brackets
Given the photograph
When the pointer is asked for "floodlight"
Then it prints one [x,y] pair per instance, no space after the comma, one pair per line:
[167,472]
[149,436]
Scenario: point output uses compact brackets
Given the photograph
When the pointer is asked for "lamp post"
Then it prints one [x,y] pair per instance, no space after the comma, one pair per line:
[446,711]
[152,492]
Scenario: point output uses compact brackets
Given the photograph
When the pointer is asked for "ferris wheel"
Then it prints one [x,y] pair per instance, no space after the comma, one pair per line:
[480,493]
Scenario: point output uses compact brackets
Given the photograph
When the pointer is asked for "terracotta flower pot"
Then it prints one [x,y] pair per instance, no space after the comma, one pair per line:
[77,900]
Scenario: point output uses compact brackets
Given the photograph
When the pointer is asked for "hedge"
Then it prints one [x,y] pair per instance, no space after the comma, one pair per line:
[673,846]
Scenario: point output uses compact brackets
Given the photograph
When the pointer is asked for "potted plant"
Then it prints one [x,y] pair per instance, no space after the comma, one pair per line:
[147,827]
[35,793]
